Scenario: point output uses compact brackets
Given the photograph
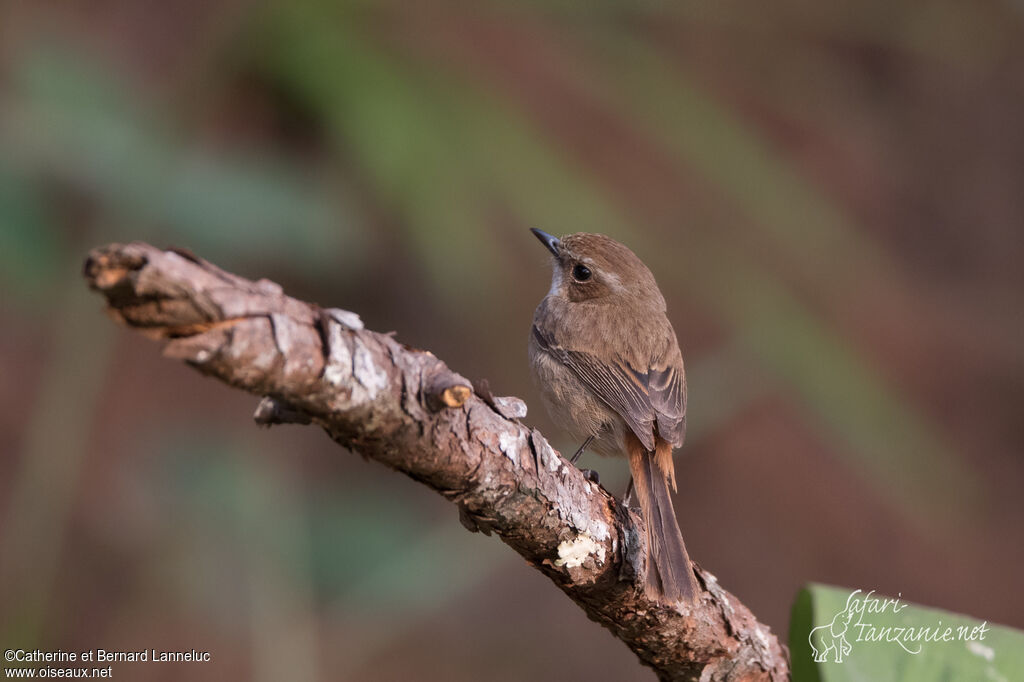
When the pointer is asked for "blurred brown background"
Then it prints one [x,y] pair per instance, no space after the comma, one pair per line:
[831,197]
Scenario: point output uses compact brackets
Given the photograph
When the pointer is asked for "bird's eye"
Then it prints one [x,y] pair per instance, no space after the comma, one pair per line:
[581,273]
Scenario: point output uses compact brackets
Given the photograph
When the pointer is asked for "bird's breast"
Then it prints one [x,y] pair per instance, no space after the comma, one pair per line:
[574,407]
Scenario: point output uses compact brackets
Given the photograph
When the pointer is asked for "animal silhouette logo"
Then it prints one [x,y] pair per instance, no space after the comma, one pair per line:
[832,637]
[875,619]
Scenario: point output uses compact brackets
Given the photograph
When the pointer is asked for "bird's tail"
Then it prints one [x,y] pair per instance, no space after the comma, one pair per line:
[669,576]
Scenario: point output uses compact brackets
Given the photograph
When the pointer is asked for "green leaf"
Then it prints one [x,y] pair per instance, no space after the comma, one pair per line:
[872,638]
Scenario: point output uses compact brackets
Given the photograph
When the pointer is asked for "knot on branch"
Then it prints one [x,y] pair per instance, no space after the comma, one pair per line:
[444,388]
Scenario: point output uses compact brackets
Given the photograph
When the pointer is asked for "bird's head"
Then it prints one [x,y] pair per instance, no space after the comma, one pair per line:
[593,267]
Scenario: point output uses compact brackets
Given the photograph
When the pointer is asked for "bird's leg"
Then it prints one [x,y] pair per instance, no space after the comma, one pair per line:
[590,474]
[583,448]
[628,497]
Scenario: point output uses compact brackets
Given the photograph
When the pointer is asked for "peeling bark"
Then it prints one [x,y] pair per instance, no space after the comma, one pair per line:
[406,409]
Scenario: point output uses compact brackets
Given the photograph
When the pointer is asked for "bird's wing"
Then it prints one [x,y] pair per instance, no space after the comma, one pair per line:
[667,390]
[641,397]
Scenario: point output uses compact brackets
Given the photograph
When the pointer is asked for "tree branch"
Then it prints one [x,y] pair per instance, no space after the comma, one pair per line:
[404,408]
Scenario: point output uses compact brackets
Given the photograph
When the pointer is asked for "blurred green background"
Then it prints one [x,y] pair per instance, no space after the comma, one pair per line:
[832,200]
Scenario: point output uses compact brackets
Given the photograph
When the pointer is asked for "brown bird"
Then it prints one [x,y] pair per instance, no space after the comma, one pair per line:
[609,370]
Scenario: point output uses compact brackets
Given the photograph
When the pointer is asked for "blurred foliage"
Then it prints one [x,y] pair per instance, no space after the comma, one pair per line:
[394,155]
[28,244]
[54,449]
[442,152]
[72,123]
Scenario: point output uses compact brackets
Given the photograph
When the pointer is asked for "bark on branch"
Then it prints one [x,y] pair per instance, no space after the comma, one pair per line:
[406,409]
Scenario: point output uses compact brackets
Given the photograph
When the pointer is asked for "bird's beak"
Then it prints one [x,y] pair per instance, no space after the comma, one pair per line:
[547,240]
